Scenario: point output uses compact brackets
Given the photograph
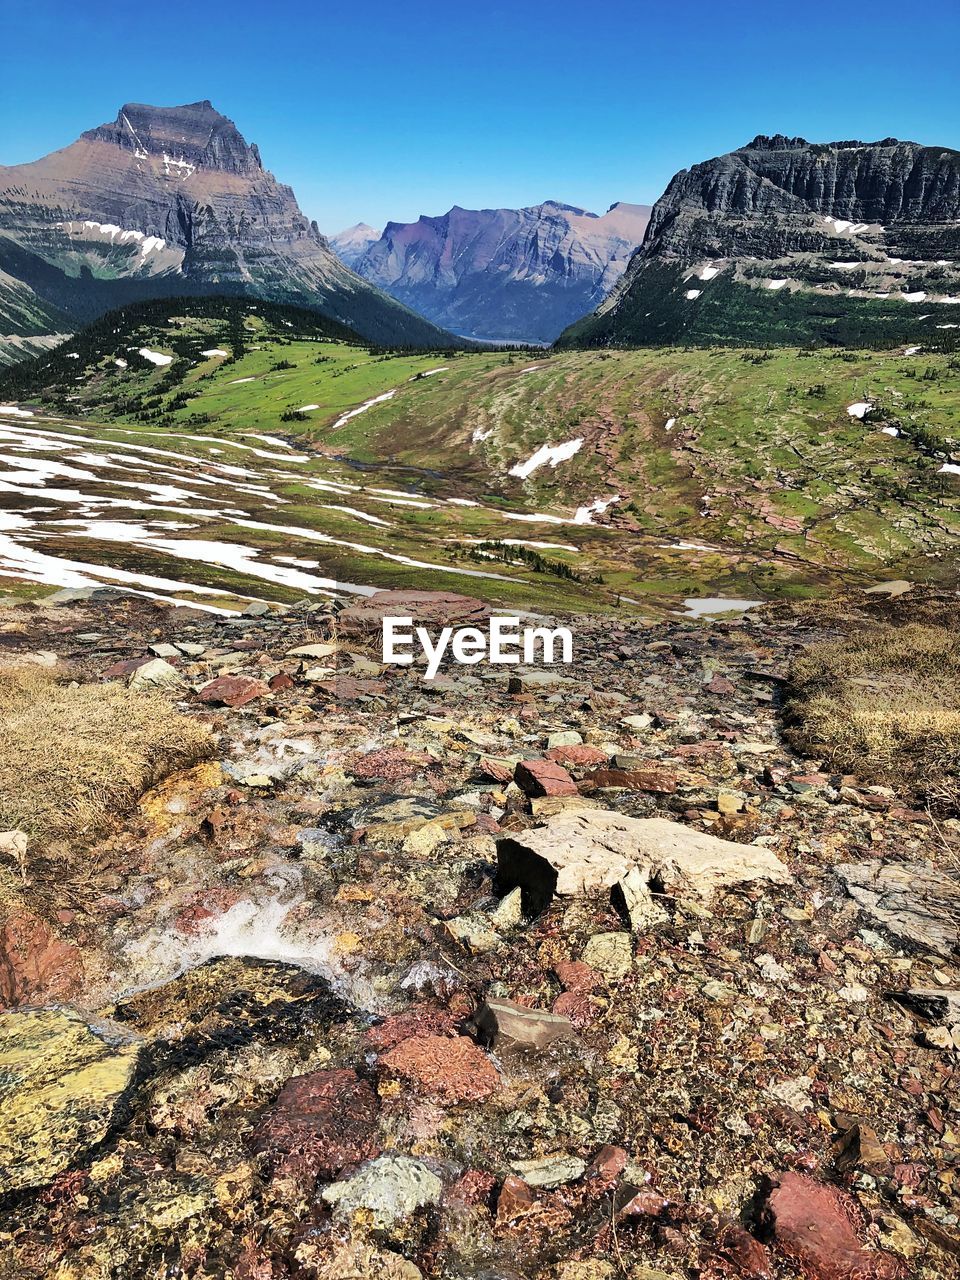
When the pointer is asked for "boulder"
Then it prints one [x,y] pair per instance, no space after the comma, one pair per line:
[63,1082]
[912,900]
[812,1224]
[233,691]
[589,851]
[386,1192]
[442,1069]
[320,1123]
[506,1025]
[544,778]
[36,966]
[155,674]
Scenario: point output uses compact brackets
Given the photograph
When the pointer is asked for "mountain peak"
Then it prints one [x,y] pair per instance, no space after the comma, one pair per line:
[192,136]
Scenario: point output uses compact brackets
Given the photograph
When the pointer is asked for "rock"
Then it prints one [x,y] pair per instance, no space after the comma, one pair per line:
[165,650]
[357,1261]
[656,781]
[633,897]
[509,913]
[544,778]
[610,954]
[156,674]
[443,1069]
[443,608]
[912,900]
[320,1123]
[387,1192]
[812,1225]
[256,609]
[313,651]
[729,802]
[506,1025]
[859,1148]
[233,691]
[637,723]
[584,755]
[63,1081]
[36,966]
[515,1199]
[14,845]
[740,1254]
[936,1004]
[584,852]
[550,1171]
[563,738]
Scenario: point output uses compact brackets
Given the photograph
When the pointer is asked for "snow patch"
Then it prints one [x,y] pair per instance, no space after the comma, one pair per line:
[367,404]
[552,454]
[860,409]
[584,515]
[155,357]
[692,293]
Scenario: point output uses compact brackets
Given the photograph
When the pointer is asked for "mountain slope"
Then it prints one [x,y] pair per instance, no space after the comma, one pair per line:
[512,274]
[169,201]
[350,245]
[790,241]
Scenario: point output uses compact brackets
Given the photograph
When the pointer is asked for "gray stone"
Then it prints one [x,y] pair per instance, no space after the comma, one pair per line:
[389,1189]
[912,900]
[585,851]
[506,1025]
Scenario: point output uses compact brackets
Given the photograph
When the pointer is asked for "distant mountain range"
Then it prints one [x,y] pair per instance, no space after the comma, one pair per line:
[167,201]
[499,274]
[792,242]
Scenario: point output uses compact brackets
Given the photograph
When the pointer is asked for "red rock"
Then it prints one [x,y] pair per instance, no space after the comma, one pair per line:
[577,1006]
[720,685]
[389,764]
[351,688]
[495,770]
[233,691]
[442,1069]
[544,778]
[813,1226]
[320,1123]
[36,966]
[608,1164]
[474,1188]
[577,976]
[515,1199]
[645,1204]
[738,1254]
[653,780]
[420,1020]
[578,755]
[281,681]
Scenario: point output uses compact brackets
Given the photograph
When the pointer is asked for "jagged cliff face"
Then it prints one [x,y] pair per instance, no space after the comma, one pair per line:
[513,274]
[162,201]
[860,229]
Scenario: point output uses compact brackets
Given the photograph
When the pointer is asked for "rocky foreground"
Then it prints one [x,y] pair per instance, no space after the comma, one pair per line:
[572,972]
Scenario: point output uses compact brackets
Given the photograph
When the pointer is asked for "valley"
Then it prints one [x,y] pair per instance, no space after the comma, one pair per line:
[249,454]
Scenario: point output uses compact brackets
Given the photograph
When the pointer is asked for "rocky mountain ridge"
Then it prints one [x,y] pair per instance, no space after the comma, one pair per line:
[817,240]
[168,201]
[512,274]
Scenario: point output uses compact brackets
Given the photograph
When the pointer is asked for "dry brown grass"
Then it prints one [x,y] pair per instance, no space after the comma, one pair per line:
[884,704]
[73,757]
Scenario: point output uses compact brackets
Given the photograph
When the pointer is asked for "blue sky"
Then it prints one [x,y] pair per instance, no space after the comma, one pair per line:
[374,111]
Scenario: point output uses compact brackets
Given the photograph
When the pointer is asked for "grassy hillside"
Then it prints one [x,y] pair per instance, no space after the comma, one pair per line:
[731,312]
[727,472]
